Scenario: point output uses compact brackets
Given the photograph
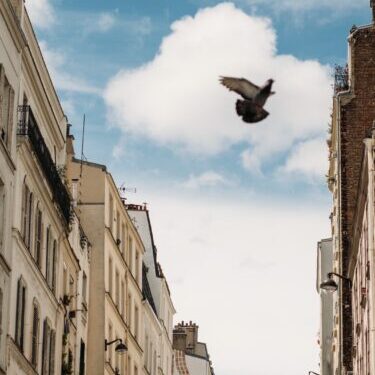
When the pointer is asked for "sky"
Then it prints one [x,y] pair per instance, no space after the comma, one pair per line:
[236,209]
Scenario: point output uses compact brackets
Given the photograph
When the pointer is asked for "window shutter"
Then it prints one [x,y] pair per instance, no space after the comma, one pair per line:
[47,255]
[45,347]
[18,315]
[10,119]
[54,265]
[52,353]
[23,210]
[23,297]
[35,336]
[2,79]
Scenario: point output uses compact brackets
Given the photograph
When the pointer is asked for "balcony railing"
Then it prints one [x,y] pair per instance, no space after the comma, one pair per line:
[27,126]
[341,76]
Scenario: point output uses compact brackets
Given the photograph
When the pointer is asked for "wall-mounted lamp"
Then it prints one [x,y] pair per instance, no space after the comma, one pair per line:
[120,348]
[312,372]
[330,285]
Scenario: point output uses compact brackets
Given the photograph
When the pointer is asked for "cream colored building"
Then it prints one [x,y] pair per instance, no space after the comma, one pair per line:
[38,221]
[11,46]
[116,307]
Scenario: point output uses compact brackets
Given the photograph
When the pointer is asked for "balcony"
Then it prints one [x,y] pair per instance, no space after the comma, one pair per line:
[341,76]
[27,126]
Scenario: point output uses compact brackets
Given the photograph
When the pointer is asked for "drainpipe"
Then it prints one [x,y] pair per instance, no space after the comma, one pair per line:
[370,209]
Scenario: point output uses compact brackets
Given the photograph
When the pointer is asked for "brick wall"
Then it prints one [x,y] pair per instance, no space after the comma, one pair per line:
[356,120]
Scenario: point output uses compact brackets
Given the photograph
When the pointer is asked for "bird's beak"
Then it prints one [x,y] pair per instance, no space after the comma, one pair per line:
[272,92]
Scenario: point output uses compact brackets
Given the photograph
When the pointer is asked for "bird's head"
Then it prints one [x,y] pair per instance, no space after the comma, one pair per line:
[270,83]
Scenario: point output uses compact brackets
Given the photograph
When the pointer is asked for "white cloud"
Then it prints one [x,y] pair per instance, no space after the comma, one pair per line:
[106,21]
[41,13]
[206,179]
[240,261]
[55,61]
[176,99]
[309,158]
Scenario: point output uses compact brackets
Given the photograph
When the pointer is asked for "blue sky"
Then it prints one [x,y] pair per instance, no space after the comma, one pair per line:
[230,203]
[95,40]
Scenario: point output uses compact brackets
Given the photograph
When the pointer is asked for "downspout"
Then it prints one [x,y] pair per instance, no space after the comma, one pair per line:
[370,209]
[339,298]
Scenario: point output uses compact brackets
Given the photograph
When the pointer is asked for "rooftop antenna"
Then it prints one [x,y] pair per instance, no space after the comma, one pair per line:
[83,141]
[123,189]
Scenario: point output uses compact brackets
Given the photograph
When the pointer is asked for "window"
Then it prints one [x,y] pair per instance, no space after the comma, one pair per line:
[35,335]
[53,266]
[118,235]
[129,317]
[117,291]
[122,239]
[84,288]
[110,276]
[38,238]
[72,292]
[2,213]
[129,365]
[154,364]
[149,363]
[48,350]
[20,314]
[109,348]
[130,254]
[82,359]
[123,299]
[1,313]
[117,356]
[27,208]
[7,104]
[65,280]
[136,321]
[146,352]
[110,212]
[48,254]
[137,266]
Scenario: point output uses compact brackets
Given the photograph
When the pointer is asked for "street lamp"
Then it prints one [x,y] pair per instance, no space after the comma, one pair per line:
[330,285]
[120,348]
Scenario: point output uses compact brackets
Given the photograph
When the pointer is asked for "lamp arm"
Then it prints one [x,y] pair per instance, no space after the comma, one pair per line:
[107,343]
[330,274]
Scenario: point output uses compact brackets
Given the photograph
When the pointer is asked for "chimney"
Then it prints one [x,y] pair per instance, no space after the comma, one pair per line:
[179,338]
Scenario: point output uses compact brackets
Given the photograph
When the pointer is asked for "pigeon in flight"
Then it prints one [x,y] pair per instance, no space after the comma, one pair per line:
[251,108]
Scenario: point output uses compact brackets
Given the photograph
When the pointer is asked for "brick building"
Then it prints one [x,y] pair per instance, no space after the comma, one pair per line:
[352,119]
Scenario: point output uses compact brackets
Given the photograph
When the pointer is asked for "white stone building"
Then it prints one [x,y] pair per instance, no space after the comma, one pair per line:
[36,210]
[324,266]
[162,350]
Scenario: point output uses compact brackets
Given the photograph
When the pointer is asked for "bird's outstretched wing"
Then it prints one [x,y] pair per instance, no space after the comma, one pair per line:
[241,86]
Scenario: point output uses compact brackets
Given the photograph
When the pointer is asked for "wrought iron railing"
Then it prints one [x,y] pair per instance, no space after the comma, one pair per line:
[27,126]
[341,78]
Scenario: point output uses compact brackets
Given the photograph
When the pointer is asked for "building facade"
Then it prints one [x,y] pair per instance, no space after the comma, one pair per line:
[162,353]
[326,334]
[116,307]
[352,120]
[37,218]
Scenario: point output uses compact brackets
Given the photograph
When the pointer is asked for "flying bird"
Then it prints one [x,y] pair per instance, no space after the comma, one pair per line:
[251,108]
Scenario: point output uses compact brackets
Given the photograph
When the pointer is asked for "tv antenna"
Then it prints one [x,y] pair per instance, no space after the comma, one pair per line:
[123,189]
